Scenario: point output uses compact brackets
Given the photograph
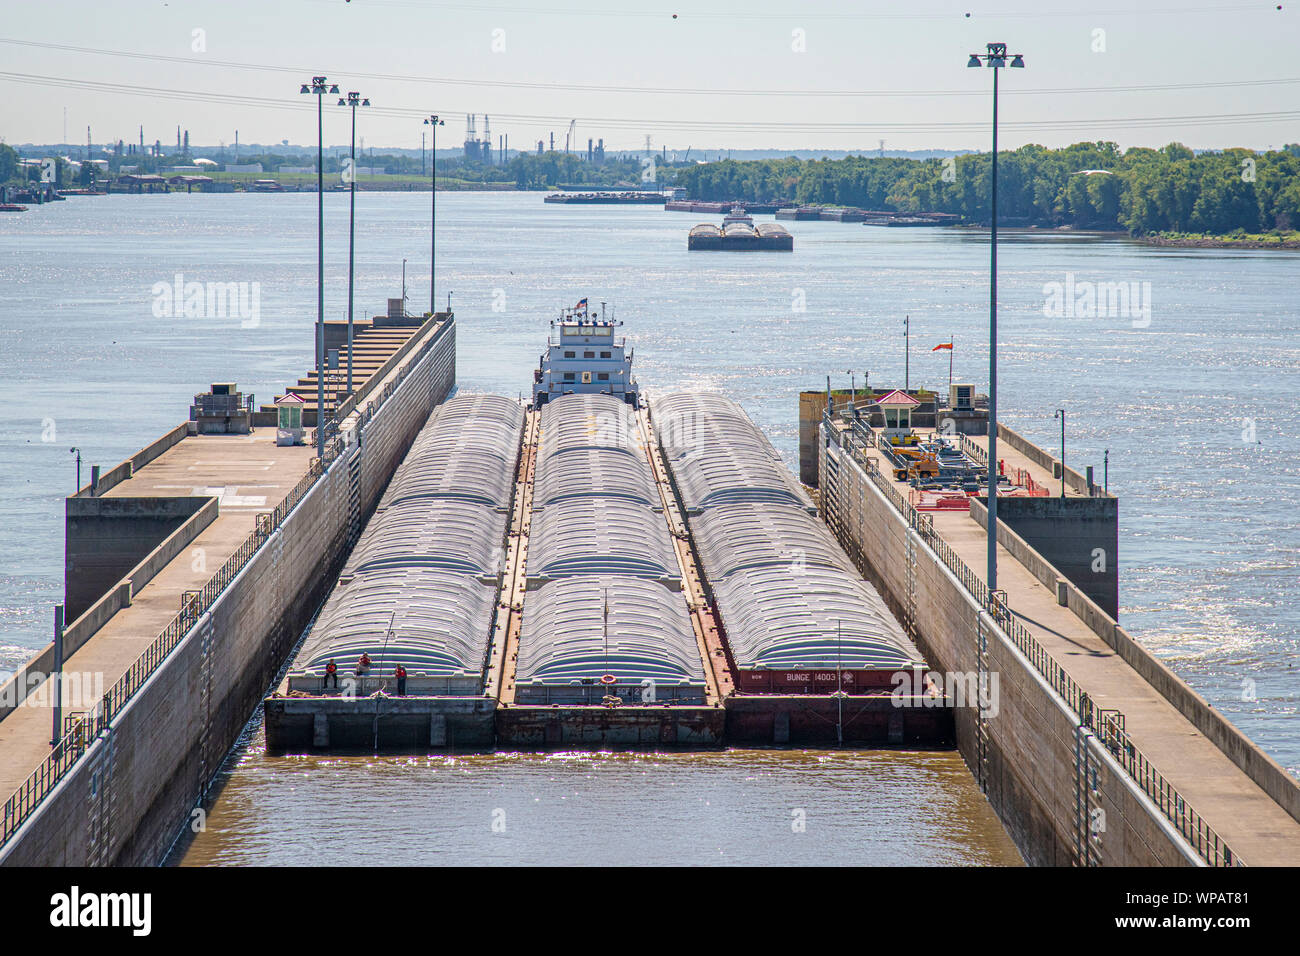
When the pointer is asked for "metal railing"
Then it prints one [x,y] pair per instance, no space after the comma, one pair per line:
[1110,729]
[194,604]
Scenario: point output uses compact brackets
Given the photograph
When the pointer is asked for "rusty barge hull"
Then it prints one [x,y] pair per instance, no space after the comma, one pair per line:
[865,722]
[303,724]
[605,728]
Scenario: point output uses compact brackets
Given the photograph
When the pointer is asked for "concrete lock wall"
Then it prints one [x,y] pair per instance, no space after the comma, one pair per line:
[106,537]
[125,801]
[117,597]
[1077,536]
[1060,795]
[1245,753]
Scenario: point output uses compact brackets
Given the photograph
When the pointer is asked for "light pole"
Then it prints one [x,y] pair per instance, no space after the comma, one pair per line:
[56,678]
[995,59]
[907,354]
[1105,472]
[353,100]
[77,452]
[433,123]
[1060,413]
[319,88]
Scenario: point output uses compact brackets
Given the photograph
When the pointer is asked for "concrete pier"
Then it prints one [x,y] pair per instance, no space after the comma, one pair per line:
[182,652]
[1097,753]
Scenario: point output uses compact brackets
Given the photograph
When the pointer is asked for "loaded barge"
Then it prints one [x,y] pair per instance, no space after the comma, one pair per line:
[753,208]
[599,569]
[739,233]
[630,198]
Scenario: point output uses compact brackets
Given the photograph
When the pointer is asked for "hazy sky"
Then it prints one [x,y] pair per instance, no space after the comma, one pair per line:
[761,73]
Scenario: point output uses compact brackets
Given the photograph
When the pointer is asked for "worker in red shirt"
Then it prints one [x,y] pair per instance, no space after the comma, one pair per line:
[331,672]
[400,673]
[363,665]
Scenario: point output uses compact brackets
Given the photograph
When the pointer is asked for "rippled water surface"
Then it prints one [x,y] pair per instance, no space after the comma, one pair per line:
[752,807]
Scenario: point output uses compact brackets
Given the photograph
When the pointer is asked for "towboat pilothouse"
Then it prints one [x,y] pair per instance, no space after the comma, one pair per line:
[584,355]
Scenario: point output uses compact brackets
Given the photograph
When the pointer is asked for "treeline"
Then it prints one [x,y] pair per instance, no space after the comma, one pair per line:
[8,164]
[537,170]
[525,170]
[1087,186]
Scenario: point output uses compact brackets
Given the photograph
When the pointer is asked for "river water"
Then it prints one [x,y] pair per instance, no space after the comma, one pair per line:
[1195,398]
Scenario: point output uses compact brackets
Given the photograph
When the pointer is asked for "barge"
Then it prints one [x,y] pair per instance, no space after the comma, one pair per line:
[596,569]
[631,198]
[739,233]
[753,208]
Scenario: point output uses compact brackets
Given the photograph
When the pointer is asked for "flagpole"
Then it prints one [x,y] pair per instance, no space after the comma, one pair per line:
[950,344]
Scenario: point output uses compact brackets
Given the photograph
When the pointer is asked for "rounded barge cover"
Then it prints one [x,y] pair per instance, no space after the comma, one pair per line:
[418,588]
[796,615]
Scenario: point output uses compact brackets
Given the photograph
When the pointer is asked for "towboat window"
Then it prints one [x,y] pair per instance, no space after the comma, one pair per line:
[588,354]
[604,355]
[570,354]
[603,377]
[568,376]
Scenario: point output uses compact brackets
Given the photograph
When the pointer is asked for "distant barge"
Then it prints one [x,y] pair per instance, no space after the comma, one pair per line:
[869,217]
[753,208]
[608,199]
[739,233]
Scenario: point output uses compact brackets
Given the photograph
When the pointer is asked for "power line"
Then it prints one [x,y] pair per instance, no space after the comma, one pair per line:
[654,90]
[730,17]
[231,99]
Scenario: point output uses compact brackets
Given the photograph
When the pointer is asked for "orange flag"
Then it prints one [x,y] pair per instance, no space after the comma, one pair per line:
[945,345]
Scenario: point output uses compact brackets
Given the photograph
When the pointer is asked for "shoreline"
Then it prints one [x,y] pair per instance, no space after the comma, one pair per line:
[1214,242]
[1158,241]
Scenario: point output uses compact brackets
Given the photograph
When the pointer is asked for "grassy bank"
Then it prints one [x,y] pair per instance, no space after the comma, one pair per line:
[1236,240]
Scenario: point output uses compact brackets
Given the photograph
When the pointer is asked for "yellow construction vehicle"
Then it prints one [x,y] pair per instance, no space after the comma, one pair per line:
[925,466]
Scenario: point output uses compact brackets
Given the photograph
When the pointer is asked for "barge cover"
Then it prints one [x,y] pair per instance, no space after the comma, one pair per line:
[796,615]
[420,587]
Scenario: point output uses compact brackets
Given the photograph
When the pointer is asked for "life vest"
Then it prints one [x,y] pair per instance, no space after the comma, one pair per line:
[400,672]
[331,668]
